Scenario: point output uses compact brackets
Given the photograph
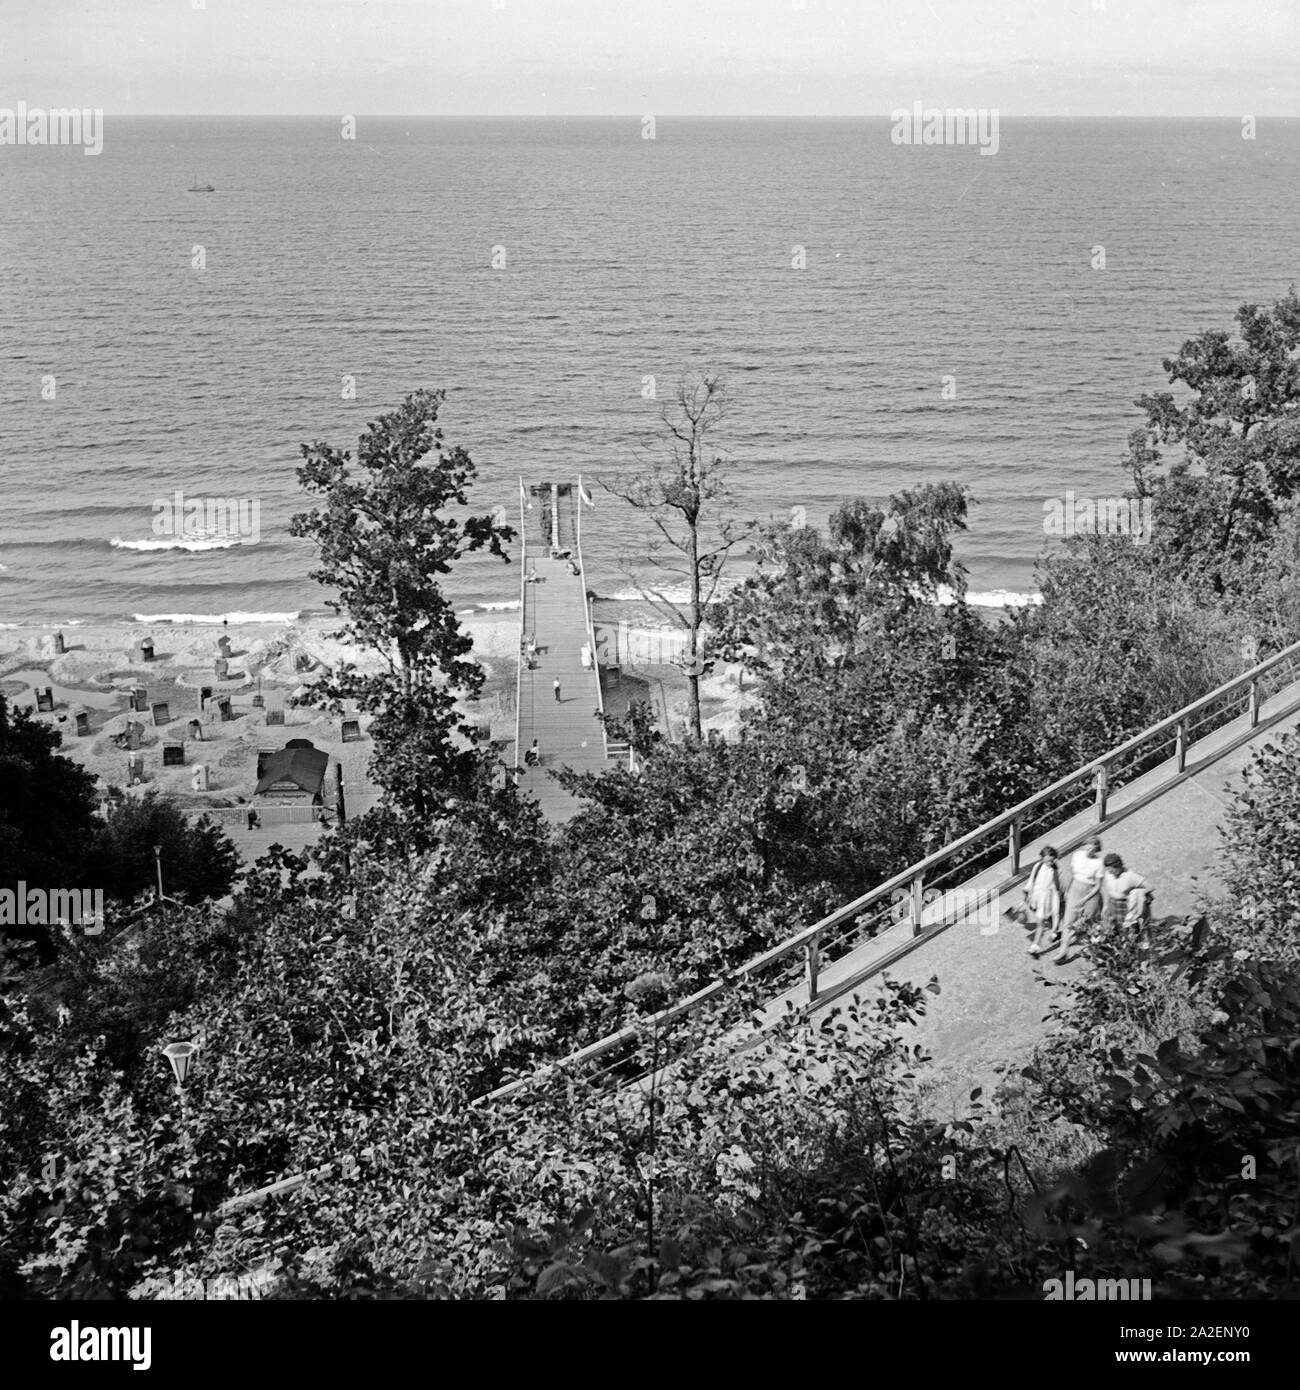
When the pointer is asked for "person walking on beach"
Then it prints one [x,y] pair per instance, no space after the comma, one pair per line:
[555,685]
[1128,897]
[1083,902]
[1045,901]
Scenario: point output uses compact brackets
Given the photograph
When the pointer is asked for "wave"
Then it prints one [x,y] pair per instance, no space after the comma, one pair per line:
[945,598]
[194,543]
[196,618]
[1004,598]
[681,595]
[52,624]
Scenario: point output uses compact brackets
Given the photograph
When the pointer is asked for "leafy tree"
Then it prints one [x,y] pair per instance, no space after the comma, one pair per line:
[1114,647]
[889,723]
[386,537]
[682,495]
[1261,832]
[817,602]
[47,812]
[638,728]
[198,860]
[1240,436]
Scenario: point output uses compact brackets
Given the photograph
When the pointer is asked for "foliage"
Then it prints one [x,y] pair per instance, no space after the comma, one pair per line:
[386,536]
[1114,648]
[1262,852]
[47,811]
[1240,435]
[198,860]
[814,602]
[638,728]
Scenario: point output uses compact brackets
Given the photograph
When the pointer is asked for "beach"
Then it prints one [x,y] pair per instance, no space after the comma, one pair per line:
[269,664]
[272,661]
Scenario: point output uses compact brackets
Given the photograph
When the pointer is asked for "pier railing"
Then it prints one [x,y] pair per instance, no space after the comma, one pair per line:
[269,814]
[591,629]
[924,897]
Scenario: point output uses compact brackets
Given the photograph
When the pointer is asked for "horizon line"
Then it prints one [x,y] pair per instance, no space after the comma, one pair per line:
[658,115]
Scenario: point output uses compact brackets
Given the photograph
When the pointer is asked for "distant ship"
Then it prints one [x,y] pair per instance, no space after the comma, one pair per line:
[202,188]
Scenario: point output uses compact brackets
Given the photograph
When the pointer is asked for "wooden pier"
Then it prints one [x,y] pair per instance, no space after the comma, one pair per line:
[556,643]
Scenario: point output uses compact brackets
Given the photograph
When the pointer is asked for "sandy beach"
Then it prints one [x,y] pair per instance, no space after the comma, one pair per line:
[268,665]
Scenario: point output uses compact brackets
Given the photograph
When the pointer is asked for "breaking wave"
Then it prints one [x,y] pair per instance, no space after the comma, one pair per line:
[179,543]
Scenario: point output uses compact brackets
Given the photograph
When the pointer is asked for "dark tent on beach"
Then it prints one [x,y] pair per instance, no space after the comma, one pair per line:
[296,772]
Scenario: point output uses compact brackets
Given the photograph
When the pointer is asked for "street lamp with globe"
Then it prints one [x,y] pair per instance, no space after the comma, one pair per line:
[181,1057]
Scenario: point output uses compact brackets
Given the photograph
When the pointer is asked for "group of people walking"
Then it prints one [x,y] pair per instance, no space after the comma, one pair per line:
[1102,889]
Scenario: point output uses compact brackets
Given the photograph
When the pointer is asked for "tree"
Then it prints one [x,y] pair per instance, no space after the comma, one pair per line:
[386,537]
[638,728]
[892,720]
[816,603]
[1160,650]
[680,495]
[1261,831]
[47,811]
[1240,434]
[198,859]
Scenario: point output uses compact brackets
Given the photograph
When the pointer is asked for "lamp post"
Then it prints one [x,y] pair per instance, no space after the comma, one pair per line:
[181,1057]
[157,859]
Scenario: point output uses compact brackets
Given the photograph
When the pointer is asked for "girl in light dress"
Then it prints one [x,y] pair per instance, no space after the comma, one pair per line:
[1044,900]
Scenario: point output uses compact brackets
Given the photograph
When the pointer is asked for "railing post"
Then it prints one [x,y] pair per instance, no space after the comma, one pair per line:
[1254,702]
[1102,788]
[917,905]
[812,961]
[1014,844]
[1180,744]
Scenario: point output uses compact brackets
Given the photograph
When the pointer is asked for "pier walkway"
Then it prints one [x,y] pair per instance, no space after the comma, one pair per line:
[555,626]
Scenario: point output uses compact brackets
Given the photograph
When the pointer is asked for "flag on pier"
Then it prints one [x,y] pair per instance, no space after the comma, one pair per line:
[583,493]
[523,495]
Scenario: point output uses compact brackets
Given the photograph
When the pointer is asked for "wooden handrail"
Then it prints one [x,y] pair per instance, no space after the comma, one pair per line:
[591,629]
[913,877]
[275,1189]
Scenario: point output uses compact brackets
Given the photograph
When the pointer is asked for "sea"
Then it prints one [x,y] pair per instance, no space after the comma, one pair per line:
[882,316]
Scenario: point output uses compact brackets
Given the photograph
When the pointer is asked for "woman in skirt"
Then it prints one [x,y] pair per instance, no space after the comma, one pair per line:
[1083,901]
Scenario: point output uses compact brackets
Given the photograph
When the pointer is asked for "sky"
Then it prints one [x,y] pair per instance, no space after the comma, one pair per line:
[658,57]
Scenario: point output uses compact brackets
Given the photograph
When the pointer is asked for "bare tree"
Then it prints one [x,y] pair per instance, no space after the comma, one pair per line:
[683,494]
